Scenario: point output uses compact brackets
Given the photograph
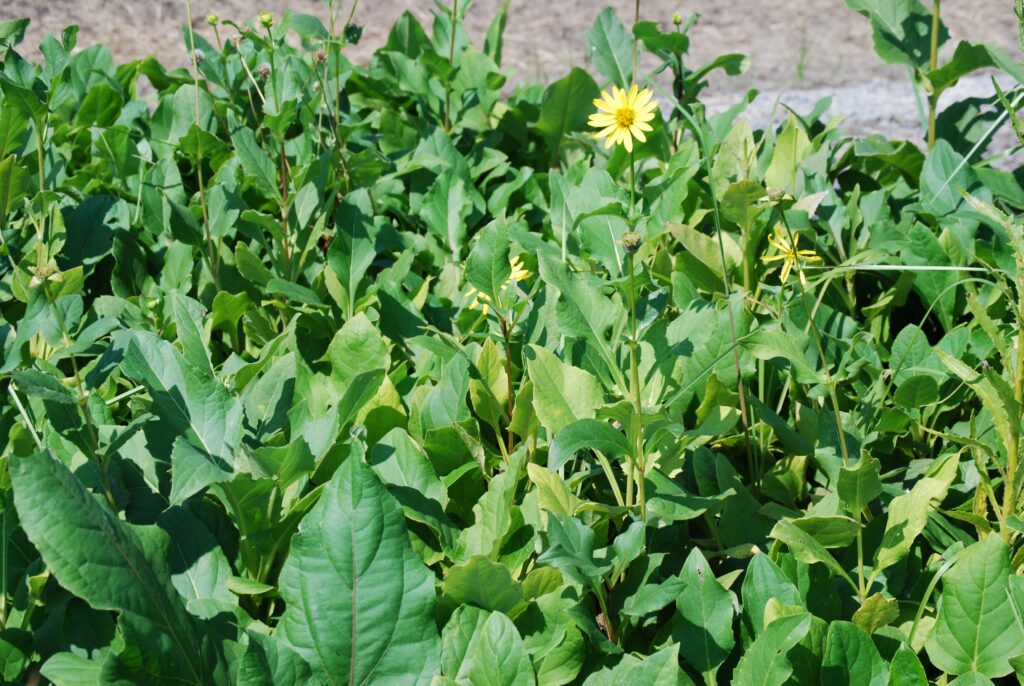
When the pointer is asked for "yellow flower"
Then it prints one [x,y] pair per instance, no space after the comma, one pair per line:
[480,301]
[789,253]
[623,116]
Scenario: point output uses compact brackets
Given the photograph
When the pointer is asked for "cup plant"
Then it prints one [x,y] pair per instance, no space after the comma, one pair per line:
[404,373]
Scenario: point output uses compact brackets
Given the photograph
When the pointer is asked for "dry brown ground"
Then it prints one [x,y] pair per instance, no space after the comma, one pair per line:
[800,49]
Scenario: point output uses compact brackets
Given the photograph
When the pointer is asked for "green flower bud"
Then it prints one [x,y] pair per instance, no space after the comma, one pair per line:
[632,241]
[212,19]
[267,19]
[677,19]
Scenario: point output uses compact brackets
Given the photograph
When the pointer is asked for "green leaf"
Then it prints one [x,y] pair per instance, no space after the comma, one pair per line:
[565,107]
[876,612]
[611,48]
[703,623]
[446,210]
[69,669]
[901,30]
[267,662]
[488,268]
[917,392]
[484,584]
[908,513]
[806,548]
[851,658]
[12,31]
[356,349]
[492,515]
[943,176]
[485,649]
[661,668]
[359,602]
[553,494]
[582,311]
[765,662]
[257,163]
[587,433]
[905,669]
[763,581]
[197,409]
[14,185]
[76,535]
[976,629]
[562,393]
[860,484]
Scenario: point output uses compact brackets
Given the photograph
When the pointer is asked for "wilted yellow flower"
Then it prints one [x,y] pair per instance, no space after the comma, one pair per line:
[480,301]
[623,116]
[789,253]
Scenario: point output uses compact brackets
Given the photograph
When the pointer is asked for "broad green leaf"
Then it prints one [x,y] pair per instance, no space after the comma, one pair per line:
[359,602]
[357,348]
[485,649]
[446,210]
[487,267]
[976,629]
[851,658]
[765,663]
[763,581]
[905,668]
[908,513]
[76,535]
[564,108]
[703,623]
[587,433]
[267,662]
[917,392]
[554,494]
[68,669]
[562,393]
[901,30]
[257,164]
[484,584]
[198,409]
[791,149]
[860,484]
[661,668]
[611,48]
[492,515]
[876,612]
[831,531]
[806,548]
[14,185]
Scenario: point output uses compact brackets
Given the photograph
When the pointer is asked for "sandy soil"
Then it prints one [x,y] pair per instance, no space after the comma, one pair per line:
[800,49]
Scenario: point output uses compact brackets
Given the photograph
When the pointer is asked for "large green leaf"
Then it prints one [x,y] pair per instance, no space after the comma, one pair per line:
[765,663]
[703,623]
[565,108]
[78,535]
[611,48]
[359,602]
[661,668]
[901,30]
[562,393]
[488,268]
[976,629]
[197,409]
[583,434]
[851,658]
[481,648]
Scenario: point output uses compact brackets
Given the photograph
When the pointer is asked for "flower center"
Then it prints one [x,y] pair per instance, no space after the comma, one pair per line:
[625,117]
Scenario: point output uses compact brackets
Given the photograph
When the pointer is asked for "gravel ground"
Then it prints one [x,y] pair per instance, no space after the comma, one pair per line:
[801,50]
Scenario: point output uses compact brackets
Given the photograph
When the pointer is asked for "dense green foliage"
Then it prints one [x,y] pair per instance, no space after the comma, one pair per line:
[280,409]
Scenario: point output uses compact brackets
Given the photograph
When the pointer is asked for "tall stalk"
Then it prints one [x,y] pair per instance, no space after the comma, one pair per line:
[213,250]
[933,63]
[451,63]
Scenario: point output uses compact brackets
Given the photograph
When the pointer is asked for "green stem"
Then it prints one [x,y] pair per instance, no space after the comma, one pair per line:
[933,63]
[213,250]
[451,63]
[639,462]
[507,335]
[636,20]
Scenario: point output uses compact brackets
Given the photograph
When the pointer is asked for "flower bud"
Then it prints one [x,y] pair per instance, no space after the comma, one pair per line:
[677,19]
[212,19]
[267,19]
[632,241]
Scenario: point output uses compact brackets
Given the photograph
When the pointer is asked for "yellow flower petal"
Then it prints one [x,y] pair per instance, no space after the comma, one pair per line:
[637,133]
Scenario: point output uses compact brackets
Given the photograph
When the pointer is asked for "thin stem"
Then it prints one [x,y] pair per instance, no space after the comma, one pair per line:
[507,335]
[451,63]
[933,63]
[634,369]
[636,20]
[213,250]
